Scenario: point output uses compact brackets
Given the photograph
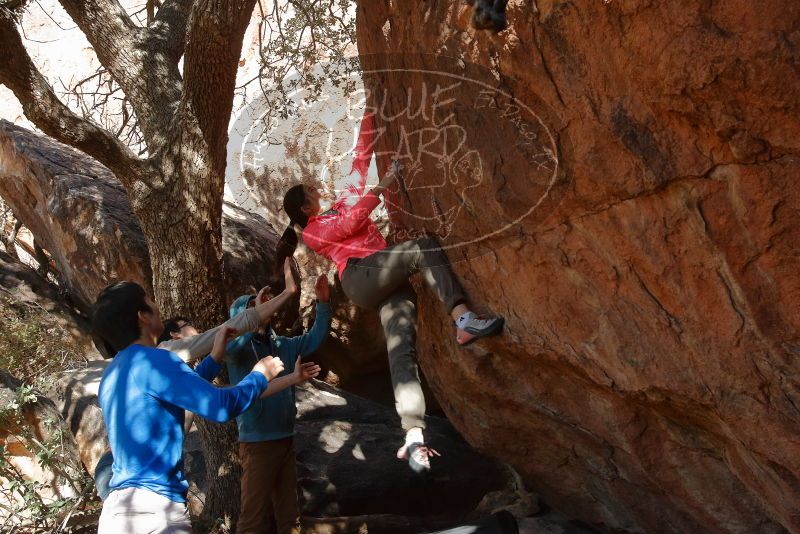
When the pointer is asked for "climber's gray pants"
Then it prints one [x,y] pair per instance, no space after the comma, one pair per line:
[380,281]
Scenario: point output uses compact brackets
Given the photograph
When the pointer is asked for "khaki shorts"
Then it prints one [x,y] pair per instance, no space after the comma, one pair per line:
[141,511]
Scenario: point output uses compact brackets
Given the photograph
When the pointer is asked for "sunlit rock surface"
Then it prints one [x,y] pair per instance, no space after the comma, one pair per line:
[647,376]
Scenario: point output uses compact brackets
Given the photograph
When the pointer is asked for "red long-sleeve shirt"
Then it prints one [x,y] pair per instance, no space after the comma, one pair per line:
[345,232]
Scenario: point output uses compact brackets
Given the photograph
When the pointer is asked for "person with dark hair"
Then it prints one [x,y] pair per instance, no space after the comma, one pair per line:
[189,345]
[209,368]
[177,328]
[266,432]
[375,275]
[182,338]
[143,394]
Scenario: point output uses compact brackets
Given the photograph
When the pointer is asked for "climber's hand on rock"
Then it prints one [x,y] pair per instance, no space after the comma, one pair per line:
[392,174]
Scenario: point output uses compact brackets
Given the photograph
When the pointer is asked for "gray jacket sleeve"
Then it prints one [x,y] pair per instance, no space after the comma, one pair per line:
[194,347]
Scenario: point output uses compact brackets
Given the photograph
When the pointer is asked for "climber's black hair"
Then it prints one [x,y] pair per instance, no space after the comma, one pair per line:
[293,202]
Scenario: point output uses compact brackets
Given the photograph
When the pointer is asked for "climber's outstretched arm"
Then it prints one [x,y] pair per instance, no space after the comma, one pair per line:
[388,178]
[191,348]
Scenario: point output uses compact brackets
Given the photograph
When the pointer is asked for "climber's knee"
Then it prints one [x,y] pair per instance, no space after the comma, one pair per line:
[428,243]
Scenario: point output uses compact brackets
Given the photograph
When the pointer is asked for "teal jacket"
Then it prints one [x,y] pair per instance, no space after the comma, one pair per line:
[273,417]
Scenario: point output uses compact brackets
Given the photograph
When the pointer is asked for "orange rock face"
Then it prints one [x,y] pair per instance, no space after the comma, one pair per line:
[639,228]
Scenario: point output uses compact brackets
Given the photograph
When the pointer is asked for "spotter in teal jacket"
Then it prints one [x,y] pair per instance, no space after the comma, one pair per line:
[272,417]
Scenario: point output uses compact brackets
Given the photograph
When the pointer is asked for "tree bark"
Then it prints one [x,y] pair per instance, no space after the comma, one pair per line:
[177,192]
[184,236]
[10,241]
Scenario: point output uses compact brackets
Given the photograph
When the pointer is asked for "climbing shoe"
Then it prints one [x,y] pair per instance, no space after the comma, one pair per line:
[471,327]
[418,455]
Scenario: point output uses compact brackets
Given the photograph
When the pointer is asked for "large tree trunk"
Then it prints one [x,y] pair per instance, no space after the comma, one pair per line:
[184,237]
[177,192]
[223,472]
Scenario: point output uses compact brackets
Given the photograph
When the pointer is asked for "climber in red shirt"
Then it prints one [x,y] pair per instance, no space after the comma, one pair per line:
[375,276]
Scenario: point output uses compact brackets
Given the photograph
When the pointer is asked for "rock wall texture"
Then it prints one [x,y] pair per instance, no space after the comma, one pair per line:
[22,288]
[74,394]
[631,168]
[76,208]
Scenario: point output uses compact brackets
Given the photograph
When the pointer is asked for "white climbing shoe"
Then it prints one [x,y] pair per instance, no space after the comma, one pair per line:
[418,455]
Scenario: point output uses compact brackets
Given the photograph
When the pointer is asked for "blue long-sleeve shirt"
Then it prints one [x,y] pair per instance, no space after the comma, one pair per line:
[208,368]
[143,395]
[272,417]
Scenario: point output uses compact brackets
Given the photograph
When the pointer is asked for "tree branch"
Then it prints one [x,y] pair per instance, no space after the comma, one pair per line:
[142,60]
[109,30]
[47,112]
[151,10]
[216,31]
[169,28]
